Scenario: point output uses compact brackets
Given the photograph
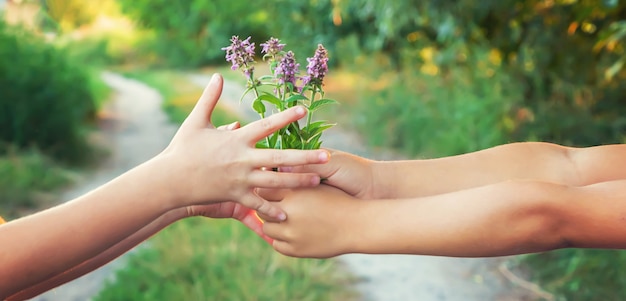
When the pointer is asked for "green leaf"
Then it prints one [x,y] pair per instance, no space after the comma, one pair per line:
[259,107]
[309,133]
[262,144]
[295,98]
[266,77]
[272,140]
[322,102]
[271,99]
[279,142]
[313,142]
[244,94]
[317,126]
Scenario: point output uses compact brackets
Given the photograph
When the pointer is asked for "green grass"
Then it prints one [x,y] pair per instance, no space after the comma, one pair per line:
[579,274]
[203,259]
[28,179]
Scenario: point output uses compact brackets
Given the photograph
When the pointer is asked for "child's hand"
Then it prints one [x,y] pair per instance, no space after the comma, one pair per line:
[206,165]
[321,222]
[348,172]
[232,210]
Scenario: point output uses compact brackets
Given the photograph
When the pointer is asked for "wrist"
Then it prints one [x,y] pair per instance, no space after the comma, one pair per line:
[383,179]
[365,222]
[160,175]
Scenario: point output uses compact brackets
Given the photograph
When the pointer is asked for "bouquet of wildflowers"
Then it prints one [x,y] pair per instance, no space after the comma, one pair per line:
[284,88]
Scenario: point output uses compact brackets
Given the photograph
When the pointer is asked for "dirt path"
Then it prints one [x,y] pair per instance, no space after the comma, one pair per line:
[137,129]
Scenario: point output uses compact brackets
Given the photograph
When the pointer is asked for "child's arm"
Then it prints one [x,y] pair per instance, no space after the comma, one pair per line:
[517,161]
[511,217]
[220,210]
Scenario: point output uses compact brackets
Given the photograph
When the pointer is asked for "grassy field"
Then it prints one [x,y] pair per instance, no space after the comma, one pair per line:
[203,259]
[28,180]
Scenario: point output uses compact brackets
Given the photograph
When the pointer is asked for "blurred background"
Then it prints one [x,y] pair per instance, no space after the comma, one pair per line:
[420,78]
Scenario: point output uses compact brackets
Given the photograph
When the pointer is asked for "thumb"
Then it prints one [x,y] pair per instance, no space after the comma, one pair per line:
[201,114]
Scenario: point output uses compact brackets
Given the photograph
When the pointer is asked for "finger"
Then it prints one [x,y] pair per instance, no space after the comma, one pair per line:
[200,116]
[274,231]
[254,223]
[257,203]
[324,170]
[229,127]
[262,128]
[284,248]
[288,157]
[271,179]
[272,195]
[266,218]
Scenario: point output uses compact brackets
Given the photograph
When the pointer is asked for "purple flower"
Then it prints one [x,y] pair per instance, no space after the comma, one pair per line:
[240,54]
[317,67]
[287,69]
[272,47]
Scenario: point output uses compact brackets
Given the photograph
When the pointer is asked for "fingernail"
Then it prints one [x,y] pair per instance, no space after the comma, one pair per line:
[300,110]
[282,216]
[213,78]
[231,126]
[285,169]
[324,156]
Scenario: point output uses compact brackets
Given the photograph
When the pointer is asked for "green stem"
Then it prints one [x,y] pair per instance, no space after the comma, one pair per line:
[256,95]
[308,119]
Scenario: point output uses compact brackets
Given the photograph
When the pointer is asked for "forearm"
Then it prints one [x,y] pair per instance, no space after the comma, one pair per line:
[102,258]
[517,161]
[80,229]
[507,218]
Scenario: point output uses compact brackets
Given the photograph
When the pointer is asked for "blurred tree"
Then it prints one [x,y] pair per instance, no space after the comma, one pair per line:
[566,55]
[191,32]
[67,15]
[45,98]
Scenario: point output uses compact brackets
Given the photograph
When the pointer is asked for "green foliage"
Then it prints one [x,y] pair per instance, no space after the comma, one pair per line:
[102,49]
[528,37]
[311,23]
[565,56]
[190,33]
[439,115]
[578,274]
[65,15]
[26,178]
[200,259]
[46,97]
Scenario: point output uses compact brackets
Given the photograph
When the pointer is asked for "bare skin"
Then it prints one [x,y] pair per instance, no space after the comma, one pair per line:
[204,171]
[511,199]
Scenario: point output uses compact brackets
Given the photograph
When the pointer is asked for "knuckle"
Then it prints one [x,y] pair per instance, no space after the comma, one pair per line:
[261,206]
[278,158]
[307,180]
[267,124]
